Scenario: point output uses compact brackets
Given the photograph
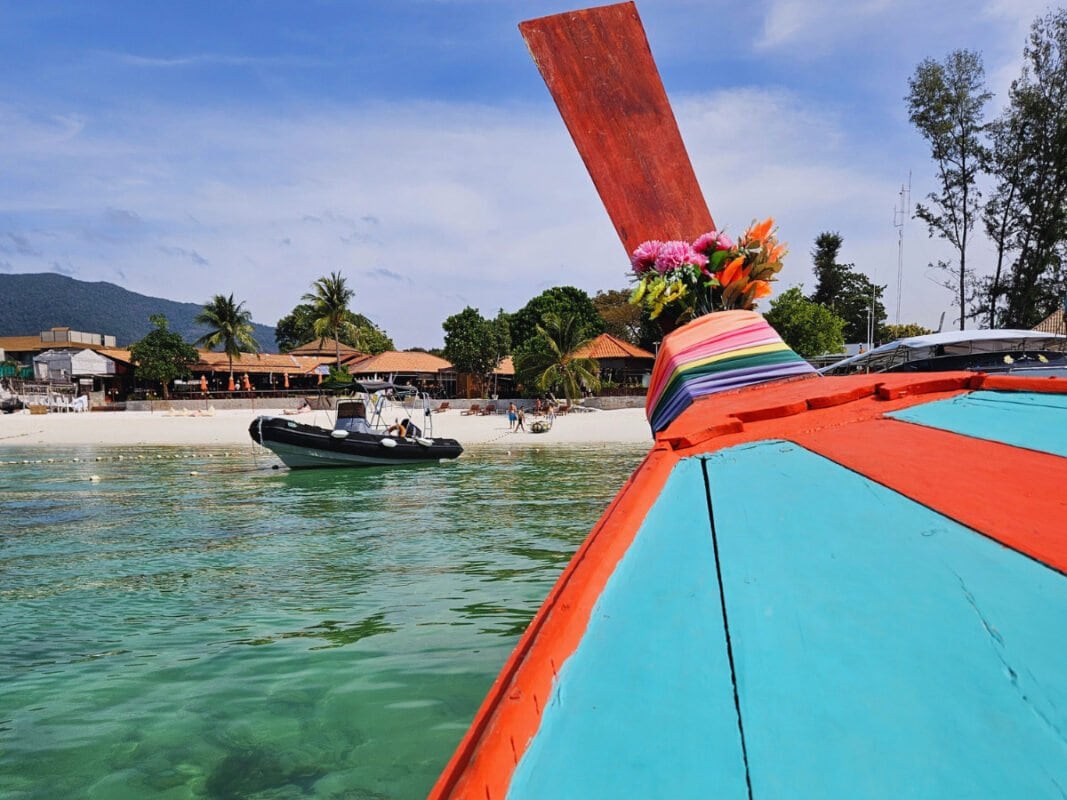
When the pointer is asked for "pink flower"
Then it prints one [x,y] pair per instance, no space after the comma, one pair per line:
[644,257]
[712,241]
[673,255]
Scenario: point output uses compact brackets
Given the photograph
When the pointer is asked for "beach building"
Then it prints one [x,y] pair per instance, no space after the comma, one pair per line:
[1056,322]
[326,348]
[84,363]
[500,382]
[259,371]
[424,370]
[621,363]
[24,347]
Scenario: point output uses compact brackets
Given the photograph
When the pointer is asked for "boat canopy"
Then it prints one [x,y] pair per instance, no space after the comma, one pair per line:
[950,343]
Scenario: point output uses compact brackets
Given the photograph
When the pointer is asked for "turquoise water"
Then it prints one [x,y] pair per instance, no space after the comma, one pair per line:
[254,633]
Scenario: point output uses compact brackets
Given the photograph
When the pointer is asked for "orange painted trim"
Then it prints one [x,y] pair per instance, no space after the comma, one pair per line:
[1003,492]
[829,416]
[509,717]
[1011,383]
[928,386]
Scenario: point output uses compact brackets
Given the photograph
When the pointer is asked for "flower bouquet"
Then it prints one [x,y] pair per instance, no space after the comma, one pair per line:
[682,281]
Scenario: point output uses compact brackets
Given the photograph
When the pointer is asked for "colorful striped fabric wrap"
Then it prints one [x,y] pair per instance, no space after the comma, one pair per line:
[715,353]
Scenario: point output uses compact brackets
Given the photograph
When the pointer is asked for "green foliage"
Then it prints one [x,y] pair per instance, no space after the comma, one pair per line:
[474,344]
[163,355]
[845,291]
[946,103]
[298,327]
[890,333]
[830,276]
[1026,216]
[548,361]
[564,301]
[339,374]
[621,318]
[329,303]
[229,325]
[501,336]
[810,328]
[859,297]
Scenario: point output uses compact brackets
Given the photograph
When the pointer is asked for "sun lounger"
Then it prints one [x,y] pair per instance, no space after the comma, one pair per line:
[475,408]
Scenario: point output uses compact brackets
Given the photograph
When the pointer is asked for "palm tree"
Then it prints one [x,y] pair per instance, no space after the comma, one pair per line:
[551,362]
[330,302]
[230,325]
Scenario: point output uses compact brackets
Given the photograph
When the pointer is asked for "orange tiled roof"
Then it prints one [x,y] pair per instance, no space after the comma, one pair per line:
[393,362]
[116,354]
[211,361]
[324,347]
[607,346]
[506,367]
[1056,322]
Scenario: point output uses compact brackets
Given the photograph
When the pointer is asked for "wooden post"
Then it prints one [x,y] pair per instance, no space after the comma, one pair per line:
[599,68]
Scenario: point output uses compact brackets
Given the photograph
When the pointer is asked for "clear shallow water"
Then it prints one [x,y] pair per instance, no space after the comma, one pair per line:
[249,633]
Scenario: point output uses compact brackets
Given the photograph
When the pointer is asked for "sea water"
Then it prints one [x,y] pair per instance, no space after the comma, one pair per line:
[249,632]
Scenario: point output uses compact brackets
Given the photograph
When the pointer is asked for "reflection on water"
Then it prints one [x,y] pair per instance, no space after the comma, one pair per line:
[247,632]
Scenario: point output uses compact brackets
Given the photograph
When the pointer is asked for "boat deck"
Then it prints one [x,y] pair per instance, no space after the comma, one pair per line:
[733,628]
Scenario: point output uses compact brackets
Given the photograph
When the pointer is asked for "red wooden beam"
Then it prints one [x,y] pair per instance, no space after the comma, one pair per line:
[599,68]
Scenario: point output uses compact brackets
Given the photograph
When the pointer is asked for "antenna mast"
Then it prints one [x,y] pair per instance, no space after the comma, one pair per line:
[901,212]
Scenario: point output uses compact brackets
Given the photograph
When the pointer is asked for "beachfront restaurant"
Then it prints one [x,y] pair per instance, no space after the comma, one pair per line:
[256,372]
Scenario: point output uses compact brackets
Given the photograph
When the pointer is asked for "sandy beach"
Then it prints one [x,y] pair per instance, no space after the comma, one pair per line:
[230,427]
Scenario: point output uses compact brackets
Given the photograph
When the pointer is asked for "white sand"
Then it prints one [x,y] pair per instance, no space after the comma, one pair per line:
[625,426]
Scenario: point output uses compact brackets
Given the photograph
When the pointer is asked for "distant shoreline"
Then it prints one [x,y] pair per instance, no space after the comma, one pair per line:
[230,428]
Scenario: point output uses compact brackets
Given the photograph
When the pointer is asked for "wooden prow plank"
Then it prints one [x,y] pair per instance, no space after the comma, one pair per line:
[599,68]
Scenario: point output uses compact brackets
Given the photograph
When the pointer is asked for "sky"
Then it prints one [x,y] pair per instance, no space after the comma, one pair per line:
[183,150]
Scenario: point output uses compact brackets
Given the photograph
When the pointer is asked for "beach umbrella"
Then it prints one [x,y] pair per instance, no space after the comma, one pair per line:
[203,383]
[246,382]
[231,384]
[286,380]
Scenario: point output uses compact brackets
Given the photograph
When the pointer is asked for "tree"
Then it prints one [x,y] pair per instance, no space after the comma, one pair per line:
[230,325]
[298,327]
[946,104]
[472,343]
[830,276]
[845,291]
[810,328]
[329,302]
[621,318]
[553,365]
[903,331]
[563,301]
[860,300]
[163,355]
[1027,213]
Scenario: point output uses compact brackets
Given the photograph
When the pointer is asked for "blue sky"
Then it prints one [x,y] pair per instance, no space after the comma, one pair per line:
[189,149]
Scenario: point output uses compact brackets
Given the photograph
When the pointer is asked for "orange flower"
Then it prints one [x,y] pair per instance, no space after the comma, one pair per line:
[775,253]
[731,271]
[757,233]
[763,289]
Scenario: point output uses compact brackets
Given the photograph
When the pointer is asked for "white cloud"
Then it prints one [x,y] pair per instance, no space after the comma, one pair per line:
[466,204]
[816,23]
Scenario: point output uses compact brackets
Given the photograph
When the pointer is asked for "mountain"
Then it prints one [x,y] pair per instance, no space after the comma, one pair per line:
[31,303]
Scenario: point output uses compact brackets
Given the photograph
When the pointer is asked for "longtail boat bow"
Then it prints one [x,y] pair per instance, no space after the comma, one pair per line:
[813,587]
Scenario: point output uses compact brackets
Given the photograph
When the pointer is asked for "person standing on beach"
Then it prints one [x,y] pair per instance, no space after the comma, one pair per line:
[513,417]
[520,420]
